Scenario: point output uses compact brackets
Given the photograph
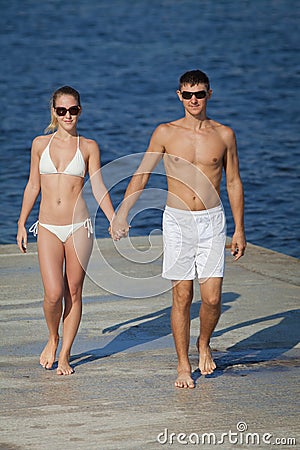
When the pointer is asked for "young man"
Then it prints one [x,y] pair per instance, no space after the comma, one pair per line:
[195,150]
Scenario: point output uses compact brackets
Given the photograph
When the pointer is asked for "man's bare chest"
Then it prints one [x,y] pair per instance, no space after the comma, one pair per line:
[200,149]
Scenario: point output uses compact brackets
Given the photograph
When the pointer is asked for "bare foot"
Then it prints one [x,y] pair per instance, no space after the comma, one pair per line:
[64,367]
[47,357]
[206,362]
[184,380]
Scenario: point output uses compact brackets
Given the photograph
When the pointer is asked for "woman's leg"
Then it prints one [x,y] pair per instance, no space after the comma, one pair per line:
[77,253]
[51,260]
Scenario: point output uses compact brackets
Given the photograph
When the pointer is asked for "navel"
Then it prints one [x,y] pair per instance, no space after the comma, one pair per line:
[59,201]
[215,159]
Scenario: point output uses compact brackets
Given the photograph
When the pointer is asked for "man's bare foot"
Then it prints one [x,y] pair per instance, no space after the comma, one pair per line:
[206,362]
[64,367]
[184,380]
[48,355]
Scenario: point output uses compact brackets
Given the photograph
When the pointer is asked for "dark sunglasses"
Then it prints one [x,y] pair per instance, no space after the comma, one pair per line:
[62,111]
[188,95]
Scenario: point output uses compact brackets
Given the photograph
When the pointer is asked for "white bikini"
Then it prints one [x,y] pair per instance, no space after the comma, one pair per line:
[76,167]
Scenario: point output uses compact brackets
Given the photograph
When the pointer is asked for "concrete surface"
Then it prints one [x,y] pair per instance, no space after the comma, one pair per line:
[121,395]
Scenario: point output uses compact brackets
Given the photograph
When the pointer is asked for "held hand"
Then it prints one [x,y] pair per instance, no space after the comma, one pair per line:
[22,239]
[116,236]
[238,245]
[118,228]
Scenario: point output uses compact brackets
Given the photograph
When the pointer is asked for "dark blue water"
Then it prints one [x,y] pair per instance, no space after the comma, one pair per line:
[125,58]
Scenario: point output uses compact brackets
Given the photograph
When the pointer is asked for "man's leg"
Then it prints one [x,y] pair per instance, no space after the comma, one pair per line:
[210,311]
[180,320]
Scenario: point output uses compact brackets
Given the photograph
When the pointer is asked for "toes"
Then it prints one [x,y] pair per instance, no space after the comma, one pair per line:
[185,382]
[65,371]
[46,364]
[184,385]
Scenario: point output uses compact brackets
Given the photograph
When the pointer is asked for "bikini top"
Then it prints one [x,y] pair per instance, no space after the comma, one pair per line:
[76,166]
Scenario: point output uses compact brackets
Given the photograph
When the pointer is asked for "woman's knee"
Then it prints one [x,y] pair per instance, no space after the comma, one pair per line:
[53,296]
[74,291]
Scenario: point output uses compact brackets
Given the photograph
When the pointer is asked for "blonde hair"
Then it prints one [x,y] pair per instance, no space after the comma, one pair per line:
[65,90]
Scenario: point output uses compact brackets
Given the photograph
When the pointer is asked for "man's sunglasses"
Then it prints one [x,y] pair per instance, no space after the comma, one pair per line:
[188,95]
[62,111]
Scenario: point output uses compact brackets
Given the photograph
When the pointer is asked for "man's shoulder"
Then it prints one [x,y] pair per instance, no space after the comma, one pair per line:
[168,127]
[215,124]
[225,131]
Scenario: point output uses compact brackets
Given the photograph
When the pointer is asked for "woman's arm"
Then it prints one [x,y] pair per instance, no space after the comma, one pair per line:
[31,193]
[99,189]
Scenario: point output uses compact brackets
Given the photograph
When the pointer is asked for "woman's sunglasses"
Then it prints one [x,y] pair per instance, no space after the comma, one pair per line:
[186,95]
[62,111]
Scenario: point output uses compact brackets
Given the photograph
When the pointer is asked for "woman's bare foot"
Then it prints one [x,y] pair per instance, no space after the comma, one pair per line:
[206,362]
[64,367]
[48,355]
[184,380]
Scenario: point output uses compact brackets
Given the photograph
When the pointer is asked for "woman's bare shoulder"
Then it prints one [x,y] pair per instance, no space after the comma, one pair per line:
[40,142]
[42,138]
[88,146]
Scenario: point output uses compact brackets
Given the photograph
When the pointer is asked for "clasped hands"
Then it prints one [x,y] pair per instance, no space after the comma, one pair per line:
[118,228]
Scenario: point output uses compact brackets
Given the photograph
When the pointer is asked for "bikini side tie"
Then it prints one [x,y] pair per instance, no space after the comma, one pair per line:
[88,225]
[34,228]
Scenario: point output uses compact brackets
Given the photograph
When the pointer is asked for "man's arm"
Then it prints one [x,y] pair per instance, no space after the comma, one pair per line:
[235,194]
[139,180]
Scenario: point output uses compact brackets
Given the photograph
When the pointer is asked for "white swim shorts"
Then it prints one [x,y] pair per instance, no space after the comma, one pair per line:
[194,241]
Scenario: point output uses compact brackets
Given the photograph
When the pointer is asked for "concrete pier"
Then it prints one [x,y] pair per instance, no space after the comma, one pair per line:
[122,393]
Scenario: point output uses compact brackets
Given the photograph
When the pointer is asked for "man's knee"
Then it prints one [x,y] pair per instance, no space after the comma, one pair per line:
[182,294]
[212,300]
[211,292]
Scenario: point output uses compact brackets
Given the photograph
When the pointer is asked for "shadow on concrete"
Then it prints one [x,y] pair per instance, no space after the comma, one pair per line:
[142,330]
[267,344]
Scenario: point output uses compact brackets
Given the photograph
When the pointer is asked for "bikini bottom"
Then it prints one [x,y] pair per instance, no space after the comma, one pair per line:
[63,232]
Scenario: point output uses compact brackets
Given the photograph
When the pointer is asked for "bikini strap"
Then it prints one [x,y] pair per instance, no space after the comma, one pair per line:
[50,140]
[52,137]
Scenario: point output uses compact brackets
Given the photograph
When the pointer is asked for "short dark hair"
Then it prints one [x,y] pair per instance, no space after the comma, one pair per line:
[194,77]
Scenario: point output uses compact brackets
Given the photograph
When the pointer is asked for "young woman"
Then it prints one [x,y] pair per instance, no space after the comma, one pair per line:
[59,163]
